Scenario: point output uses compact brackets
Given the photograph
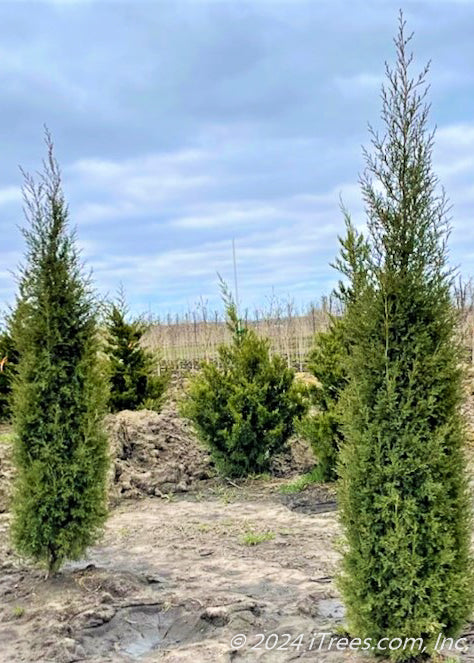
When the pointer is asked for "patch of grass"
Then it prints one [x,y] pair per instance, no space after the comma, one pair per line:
[301,483]
[254,538]
[18,611]
[221,528]
[225,495]
[204,527]
[264,476]
[6,438]
[169,497]
[199,496]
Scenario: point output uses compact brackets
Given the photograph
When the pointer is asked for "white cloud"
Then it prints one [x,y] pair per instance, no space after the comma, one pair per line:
[135,186]
[454,159]
[183,130]
[455,137]
[358,84]
[10,194]
[229,215]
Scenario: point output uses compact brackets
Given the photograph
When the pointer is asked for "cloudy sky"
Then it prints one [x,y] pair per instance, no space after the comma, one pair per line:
[180,125]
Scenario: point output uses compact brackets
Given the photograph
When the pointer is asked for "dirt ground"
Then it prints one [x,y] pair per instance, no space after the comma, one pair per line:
[176,579]
[187,563]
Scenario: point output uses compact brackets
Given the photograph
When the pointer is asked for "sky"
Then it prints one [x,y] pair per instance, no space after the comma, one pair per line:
[180,126]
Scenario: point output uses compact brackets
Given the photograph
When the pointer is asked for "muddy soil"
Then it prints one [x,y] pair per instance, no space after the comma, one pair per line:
[176,579]
[181,573]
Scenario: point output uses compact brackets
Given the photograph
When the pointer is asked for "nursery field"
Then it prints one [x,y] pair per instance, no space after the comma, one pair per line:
[257,455]
[187,562]
[183,342]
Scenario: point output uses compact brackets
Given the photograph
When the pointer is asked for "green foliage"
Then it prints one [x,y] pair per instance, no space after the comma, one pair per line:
[301,483]
[18,611]
[322,427]
[244,408]
[134,381]
[254,538]
[403,490]
[59,395]
[8,362]
[6,438]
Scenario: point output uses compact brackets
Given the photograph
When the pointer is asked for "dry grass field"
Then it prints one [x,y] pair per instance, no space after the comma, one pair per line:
[184,341]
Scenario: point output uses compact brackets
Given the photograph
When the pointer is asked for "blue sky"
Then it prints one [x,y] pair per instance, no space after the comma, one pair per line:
[182,125]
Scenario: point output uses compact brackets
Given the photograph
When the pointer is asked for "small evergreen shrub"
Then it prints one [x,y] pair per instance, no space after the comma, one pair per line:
[244,408]
[133,377]
[322,426]
[59,395]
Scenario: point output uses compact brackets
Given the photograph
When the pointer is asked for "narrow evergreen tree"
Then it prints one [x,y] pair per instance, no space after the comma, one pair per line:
[134,381]
[58,395]
[244,408]
[404,499]
[327,360]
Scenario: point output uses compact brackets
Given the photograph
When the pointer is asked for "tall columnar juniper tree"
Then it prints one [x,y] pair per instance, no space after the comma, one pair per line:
[134,380]
[244,408]
[404,499]
[58,395]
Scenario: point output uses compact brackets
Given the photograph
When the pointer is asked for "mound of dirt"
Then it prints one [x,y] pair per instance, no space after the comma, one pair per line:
[298,458]
[158,454]
[154,453]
